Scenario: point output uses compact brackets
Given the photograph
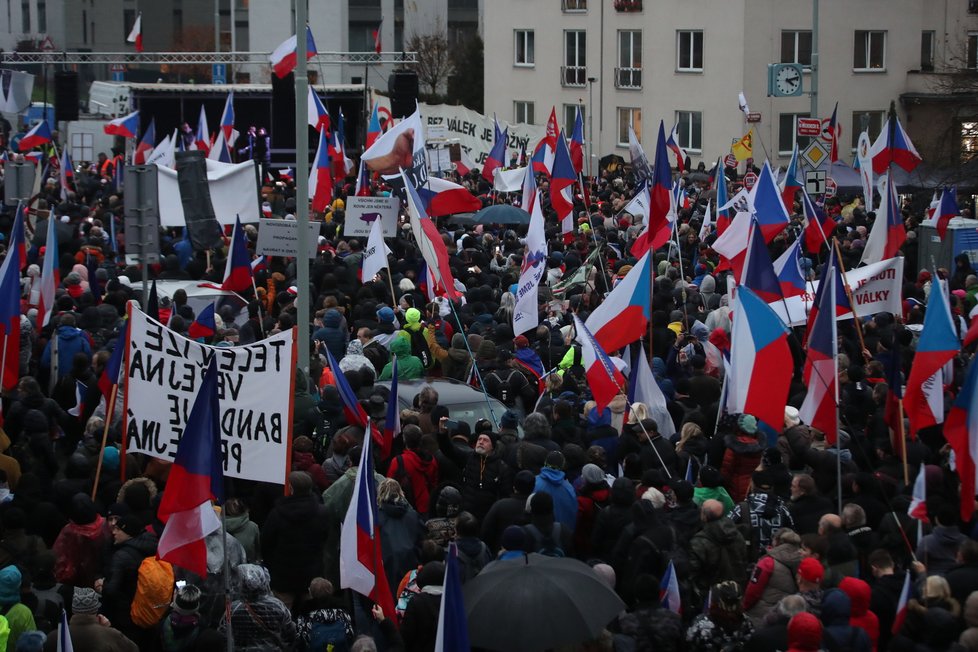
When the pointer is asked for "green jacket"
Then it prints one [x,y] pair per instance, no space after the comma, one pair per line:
[20,619]
[702,494]
[409,367]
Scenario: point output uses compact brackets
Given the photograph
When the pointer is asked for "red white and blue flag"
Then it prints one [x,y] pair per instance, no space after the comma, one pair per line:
[901,610]
[720,183]
[562,180]
[237,269]
[204,325]
[669,589]
[196,478]
[443,197]
[918,500]
[363,180]
[66,174]
[373,126]
[227,120]
[136,33]
[818,225]
[937,345]
[577,142]
[497,155]
[673,143]
[603,377]
[79,408]
[893,146]
[14,261]
[947,210]
[64,635]
[430,244]
[37,136]
[819,409]
[543,155]
[321,176]
[453,626]
[759,378]
[759,274]
[126,126]
[961,431]
[790,185]
[361,557]
[788,269]
[50,274]
[768,208]
[623,317]
[283,59]
[202,139]
[834,131]
[377,39]
[146,144]
[662,206]
[110,375]
[888,233]
[643,388]
[831,272]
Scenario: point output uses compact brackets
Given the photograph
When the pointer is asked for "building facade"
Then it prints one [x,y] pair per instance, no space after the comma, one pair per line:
[685,61]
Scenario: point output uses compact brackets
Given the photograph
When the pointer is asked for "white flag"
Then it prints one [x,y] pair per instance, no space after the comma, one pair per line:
[163,155]
[742,102]
[647,391]
[526,314]
[707,222]
[375,255]
[638,206]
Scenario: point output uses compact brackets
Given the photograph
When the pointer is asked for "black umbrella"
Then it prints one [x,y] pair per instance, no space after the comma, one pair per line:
[462,219]
[502,214]
[537,603]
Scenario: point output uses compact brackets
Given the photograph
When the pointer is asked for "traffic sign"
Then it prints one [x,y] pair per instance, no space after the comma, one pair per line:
[831,187]
[219,73]
[826,133]
[809,126]
[814,154]
[815,182]
[753,116]
[730,161]
[749,180]
[47,45]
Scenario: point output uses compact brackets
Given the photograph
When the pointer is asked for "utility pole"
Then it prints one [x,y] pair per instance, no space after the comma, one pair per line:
[302,182]
[813,92]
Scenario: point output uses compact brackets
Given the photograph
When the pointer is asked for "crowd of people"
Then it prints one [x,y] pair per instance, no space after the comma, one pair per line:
[769,555]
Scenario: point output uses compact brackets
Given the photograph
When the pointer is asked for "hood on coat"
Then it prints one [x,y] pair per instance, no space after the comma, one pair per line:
[836,608]
[859,594]
[400,346]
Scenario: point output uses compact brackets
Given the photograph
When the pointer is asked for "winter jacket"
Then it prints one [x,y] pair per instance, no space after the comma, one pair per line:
[355,360]
[703,494]
[259,621]
[940,549]
[417,471]
[859,595]
[71,340]
[807,511]
[455,360]
[78,551]
[409,367]
[835,616]
[419,627]
[503,513]
[242,528]
[591,500]
[610,521]
[292,542]
[336,500]
[773,579]
[331,334]
[650,627]
[401,532]
[739,461]
[554,482]
[122,577]
[767,513]
[717,553]
[87,633]
[306,461]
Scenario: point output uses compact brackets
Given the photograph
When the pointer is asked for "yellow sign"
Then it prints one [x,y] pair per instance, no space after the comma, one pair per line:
[743,149]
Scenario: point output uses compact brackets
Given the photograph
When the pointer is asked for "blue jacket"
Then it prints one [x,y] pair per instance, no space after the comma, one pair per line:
[71,340]
[331,335]
[554,482]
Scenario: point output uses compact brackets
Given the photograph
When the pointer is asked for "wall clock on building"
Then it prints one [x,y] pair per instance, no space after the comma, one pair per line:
[784,80]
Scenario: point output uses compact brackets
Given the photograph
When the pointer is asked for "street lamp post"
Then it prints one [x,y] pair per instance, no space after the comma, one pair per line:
[590,123]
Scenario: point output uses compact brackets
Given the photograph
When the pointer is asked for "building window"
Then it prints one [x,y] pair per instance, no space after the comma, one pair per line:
[689,126]
[25,17]
[574,71]
[869,50]
[570,115]
[573,5]
[927,39]
[83,147]
[42,16]
[689,51]
[969,140]
[628,74]
[128,18]
[869,121]
[523,112]
[972,50]
[524,47]
[628,117]
[788,133]
[796,47]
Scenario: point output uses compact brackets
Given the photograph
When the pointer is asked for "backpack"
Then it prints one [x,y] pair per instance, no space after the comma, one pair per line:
[505,388]
[154,591]
[548,546]
[469,567]
[328,637]
[419,348]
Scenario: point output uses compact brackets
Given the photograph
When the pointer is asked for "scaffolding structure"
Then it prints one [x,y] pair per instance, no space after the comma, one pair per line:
[197,58]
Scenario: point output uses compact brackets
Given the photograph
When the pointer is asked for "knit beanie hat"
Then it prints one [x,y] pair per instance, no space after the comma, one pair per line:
[85,601]
[804,632]
[811,570]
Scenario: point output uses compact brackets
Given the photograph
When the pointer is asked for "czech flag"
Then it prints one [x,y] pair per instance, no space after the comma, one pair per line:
[720,183]
[888,233]
[39,135]
[66,174]
[733,242]
[497,155]
[204,326]
[768,208]
[196,478]
[283,59]
[901,610]
[202,139]
[662,209]
[623,317]
[361,557]
[318,115]
[790,184]
[126,126]
[430,244]
[893,146]
[50,274]
[373,126]
[961,431]
[831,271]
[918,501]
[603,377]
[788,269]
[937,345]
[377,38]
[80,390]
[237,271]
[110,375]
[453,625]
[321,176]
[220,150]
[947,209]
[136,33]
[759,274]
[10,300]
[577,143]
[643,388]
[818,225]
[392,423]
[759,376]
[669,590]
[227,120]
[146,144]
[562,180]
[543,154]
[443,197]
[821,366]
[363,180]
[673,143]
[834,134]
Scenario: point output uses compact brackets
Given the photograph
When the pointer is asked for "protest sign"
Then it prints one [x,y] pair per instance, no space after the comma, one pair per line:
[233,188]
[163,375]
[362,211]
[281,238]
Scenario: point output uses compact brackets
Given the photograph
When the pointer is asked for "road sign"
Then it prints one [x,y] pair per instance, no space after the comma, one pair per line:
[749,180]
[118,75]
[219,73]
[753,116]
[47,45]
[831,187]
[826,133]
[809,126]
[730,161]
[814,154]
[815,182]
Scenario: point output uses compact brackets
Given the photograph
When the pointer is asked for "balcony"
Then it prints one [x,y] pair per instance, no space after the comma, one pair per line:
[571,6]
[628,5]
[573,76]
[628,78]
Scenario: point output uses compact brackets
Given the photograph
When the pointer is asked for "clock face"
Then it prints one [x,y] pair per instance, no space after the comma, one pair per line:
[788,80]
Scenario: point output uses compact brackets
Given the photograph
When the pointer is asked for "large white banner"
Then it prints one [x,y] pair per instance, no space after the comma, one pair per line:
[473,130]
[233,188]
[163,375]
[875,288]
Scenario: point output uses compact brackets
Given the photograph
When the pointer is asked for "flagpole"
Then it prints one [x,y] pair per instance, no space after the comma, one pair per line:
[903,440]
[682,274]
[478,372]
[227,579]
[852,304]
[105,433]
[390,281]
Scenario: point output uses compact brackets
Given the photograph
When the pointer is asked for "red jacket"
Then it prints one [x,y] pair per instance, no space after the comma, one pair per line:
[304,461]
[742,456]
[419,476]
[859,594]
